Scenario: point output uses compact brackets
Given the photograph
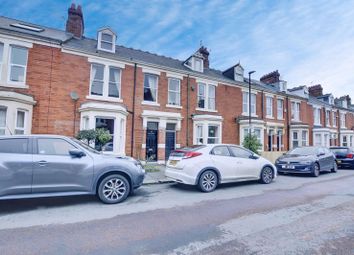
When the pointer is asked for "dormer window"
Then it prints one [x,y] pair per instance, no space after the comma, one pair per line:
[106,40]
[198,65]
[195,63]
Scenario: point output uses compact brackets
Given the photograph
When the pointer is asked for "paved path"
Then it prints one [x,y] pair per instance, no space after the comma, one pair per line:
[294,215]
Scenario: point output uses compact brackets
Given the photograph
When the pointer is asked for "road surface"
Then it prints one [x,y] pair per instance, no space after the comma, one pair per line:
[293,215]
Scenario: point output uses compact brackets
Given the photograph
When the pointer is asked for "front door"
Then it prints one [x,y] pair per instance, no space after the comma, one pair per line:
[151,141]
[55,170]
[170,143]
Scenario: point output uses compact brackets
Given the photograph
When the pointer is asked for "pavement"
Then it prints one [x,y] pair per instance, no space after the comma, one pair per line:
[295,214]
[155,174]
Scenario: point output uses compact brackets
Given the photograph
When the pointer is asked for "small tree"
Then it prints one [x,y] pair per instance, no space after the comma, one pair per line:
[251,142]
[103,136]
[88,135]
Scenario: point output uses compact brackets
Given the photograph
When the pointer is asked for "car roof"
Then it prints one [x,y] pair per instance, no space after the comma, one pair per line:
[32,136]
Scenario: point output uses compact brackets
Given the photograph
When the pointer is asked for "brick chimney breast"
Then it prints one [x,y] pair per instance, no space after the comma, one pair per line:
[205,53]
[75,21]
[316,90]
[271,78]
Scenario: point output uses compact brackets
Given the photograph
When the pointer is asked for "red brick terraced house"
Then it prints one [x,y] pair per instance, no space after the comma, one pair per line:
[60,82]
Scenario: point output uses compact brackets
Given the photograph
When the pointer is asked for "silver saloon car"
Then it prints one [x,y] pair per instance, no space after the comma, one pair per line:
[49,165]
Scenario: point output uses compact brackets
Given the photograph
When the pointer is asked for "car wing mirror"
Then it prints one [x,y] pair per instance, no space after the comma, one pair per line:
[253,156]
[77,153]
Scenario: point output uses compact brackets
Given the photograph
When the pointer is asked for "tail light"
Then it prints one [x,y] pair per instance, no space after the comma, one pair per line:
[350,155]
[191,154]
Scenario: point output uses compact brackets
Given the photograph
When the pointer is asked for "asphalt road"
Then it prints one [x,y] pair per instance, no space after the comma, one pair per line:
[293,215]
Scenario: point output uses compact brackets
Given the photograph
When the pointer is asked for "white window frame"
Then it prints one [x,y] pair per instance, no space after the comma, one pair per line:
[295,111]
[269,107]
[207,97]
[100,40]
[304,142]
[4,127]
[317,116]
[157,89]
[280,109]
[178,92]
[260,138]
[328,118]
[22,129]
[2,58]
[106,72]
[334,119]
[246,104]
[10,65]
[204,125]
[342,120]
[201,67]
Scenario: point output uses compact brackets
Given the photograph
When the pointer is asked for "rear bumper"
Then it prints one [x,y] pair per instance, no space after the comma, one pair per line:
[179,176]
[345,163]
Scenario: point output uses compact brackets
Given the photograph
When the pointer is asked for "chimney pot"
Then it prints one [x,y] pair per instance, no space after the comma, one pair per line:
[75,21]
[205,53]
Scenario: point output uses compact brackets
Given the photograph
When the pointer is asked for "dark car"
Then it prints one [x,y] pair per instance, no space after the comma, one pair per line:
[48,165]
[344,156]
[311,160]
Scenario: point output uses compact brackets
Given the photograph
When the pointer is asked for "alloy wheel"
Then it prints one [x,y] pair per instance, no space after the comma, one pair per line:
[208,181]
[267,175]
[114,189]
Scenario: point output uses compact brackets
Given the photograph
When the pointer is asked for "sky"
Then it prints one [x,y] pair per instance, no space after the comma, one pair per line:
[309,42]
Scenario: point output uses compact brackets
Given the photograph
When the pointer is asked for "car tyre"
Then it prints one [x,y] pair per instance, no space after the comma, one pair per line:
[316,170]
[335,167]
[267,175]
[113,189]
[208,181]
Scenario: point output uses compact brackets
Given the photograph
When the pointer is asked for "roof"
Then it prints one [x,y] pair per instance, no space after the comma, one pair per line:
[47,33]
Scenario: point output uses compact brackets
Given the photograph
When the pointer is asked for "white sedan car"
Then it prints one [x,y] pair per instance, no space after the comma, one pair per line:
[209,165]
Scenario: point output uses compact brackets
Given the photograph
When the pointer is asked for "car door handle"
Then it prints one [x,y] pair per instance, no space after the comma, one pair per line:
[42,163]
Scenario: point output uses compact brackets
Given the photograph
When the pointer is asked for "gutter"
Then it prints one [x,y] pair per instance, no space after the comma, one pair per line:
[187,134]
[288,121]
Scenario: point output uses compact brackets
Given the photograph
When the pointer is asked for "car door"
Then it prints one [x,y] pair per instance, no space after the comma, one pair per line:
[55,170]
[246,167]
[224,162]
[330,158]
[15,166]
[322,158]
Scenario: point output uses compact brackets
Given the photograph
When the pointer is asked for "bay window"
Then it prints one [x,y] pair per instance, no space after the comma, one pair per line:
[245,103]
[213,134]
[334,119]
[304,141]
[317,116]
[150,87]
[174,91]
[199,135]
[295,140]
[280,109]
[20,122]
[18,64]
[207,132]
[206,96]
[342,120]
[328,118]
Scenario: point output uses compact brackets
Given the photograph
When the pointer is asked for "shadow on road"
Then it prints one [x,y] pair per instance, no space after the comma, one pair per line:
[22,205]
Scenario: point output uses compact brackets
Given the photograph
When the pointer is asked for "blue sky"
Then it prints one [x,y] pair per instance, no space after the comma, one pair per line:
[309,42]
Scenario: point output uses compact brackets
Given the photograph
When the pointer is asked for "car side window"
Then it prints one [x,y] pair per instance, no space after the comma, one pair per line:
[14,145]
[53,146]
[240,153]
[221,151]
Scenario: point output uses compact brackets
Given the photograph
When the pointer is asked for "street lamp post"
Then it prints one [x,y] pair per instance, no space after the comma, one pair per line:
[249,100]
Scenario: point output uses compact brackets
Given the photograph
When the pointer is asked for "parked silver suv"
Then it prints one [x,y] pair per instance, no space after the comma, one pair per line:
[49,165]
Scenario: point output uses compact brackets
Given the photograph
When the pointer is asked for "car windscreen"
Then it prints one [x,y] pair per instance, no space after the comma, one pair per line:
[87,147]
[340,150]
[304,151]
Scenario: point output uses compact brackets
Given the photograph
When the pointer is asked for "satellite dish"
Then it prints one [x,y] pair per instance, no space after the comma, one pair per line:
[74,96]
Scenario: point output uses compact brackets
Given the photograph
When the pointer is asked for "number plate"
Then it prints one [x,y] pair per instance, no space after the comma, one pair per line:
[173,162]
[288,166]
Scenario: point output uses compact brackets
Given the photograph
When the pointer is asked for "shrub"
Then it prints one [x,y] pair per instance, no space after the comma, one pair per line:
[251,142]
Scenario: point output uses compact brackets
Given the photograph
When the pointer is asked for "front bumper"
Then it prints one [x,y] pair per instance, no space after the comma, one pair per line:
[179,176]
[139,179]
[294,168]
[345,163]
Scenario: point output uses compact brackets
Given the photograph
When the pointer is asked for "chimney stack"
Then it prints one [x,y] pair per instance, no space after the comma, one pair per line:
[271,78]
[205,53]
[75,22]
[316,90]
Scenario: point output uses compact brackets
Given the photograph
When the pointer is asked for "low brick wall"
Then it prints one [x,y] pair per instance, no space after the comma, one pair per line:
[272,155]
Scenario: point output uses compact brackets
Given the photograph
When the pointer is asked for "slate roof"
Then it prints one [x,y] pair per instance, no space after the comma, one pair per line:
[47,34]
